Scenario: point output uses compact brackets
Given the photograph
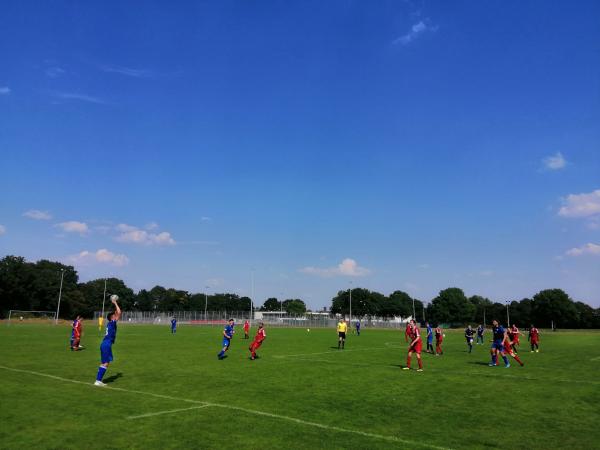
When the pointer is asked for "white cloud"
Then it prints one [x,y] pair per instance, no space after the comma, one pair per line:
[54,72]
[134,235]
[127,71]
[102,256]
[80,97]
[554,162]
[151,226]
[587,249]
[72,226]
[415,31]
[4,90]
[205,219]
[423,266]
[36,214]
[347,268]
[581,205]
[2,230]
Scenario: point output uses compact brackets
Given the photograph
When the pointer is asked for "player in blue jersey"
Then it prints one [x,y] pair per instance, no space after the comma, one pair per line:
[358,327]
[173,325]
[480,331]
[227,336]
[106,355]
[469,332]
[499,335]
[429,338]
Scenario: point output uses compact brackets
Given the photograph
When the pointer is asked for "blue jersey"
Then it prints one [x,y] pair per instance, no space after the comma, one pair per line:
[498,334]
[111,332]
[480,331]
[357,324]
[173,323]
[429,333]
[229,331]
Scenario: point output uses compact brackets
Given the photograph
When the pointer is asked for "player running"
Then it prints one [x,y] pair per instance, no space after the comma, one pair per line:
[246,329]
[173,325]
[429,338]
[469,332]
[439,338]
[499,336]
[415,346]
[508,348]
[106,355]
[342,328]
[227,336]
[76,334]
[514,337]
[534,339]
[358,327]
[480,331]
[258,340]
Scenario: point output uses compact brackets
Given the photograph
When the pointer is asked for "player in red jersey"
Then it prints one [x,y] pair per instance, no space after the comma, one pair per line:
[514,336]
[439,338]
[258,340]
[415,346]
[246,329]
[408,331]
[76,334]
[508,348]
[534,339]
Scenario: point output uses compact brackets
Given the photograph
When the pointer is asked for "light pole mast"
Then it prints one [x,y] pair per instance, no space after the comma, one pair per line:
[62,274]
[206,301]
[252,298]
[507,314]
[350,301]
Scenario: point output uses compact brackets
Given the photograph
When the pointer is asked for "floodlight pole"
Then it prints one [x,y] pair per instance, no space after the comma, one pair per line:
[281,304]
[206,301]
[350,301]
[507,315]
[414,316]
[252,298]
[62,274]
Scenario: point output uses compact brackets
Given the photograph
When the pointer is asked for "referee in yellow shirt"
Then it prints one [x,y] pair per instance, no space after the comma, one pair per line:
[342,327]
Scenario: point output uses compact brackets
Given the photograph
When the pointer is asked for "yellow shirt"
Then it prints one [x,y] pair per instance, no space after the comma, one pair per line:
[342,327]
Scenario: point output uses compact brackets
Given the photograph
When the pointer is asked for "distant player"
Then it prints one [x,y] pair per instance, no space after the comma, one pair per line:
[76,331]
[499,336]
[514,337]
[429,338]
[106,355]
[439,338]
[342,328]
[534,339]
[480,331]
[246,329]
[358,327]
[174,325]
[415,346]
[508,348]
[227,336]
[469,332]
[258,340]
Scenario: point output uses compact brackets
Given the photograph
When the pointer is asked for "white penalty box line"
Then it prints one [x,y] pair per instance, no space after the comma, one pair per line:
[200,404]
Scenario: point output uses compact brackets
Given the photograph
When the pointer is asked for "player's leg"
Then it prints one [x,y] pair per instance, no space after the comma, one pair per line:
[420,369]
[505,359]
[494,356]
[343,341]
[105,358]
[516,357]
[408,358]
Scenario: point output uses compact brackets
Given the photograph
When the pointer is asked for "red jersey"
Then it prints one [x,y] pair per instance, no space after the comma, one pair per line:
[507,346]
[77,329]
[260,335]
[414,333]
[246,326]
[534,334]
[439,335]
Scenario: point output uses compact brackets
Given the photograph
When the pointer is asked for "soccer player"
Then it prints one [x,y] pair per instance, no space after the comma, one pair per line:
[429,338]
[514,337]
[174,325]
[342,328]
[534,339]
[469,332]
[358,327]
[499,336]
[246,329]
[227,336]
[408,331]
[106,355]
[439,338]
[508,348]
[258,340]
[415,346]
[76,334]
[480,331]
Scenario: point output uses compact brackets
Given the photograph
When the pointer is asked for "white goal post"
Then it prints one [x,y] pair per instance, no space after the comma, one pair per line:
[19,315]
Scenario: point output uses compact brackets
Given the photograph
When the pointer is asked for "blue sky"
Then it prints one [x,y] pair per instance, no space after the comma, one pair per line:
[320,145]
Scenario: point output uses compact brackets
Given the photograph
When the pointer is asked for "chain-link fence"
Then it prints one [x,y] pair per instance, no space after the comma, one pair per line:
[271,319]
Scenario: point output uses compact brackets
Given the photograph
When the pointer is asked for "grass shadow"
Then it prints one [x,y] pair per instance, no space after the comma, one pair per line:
[113,378]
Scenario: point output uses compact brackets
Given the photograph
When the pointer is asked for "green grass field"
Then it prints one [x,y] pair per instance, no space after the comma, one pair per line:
[170,391]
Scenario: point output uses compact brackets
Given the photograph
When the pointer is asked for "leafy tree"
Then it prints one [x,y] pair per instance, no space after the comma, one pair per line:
[451,306]
[554,306]
[271,304]
[294,306]
[401,305]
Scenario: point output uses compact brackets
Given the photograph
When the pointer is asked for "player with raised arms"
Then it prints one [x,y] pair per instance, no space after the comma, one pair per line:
[342,329]
[173,325]
[227,336]
[258,340]
[106,355]
[499,336]
[415,346]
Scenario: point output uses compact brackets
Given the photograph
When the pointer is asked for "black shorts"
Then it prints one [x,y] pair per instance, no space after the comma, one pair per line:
[342,334]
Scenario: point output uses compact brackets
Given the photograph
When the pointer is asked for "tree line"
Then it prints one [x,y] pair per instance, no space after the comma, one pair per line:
[34,286]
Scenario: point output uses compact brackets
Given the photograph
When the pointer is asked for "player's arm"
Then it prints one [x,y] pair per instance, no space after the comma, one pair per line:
[117,314]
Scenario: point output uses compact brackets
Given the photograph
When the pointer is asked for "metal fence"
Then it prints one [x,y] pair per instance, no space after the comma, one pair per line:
[219,318]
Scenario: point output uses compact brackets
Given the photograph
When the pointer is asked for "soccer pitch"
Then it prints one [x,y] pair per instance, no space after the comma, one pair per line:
[170,391]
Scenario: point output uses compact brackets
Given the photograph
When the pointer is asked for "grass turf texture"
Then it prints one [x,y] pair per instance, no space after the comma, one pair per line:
[301,393]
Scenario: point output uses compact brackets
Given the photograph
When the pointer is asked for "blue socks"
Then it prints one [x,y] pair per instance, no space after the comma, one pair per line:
[221,354]
[505,360]
[494,358]
[101,372]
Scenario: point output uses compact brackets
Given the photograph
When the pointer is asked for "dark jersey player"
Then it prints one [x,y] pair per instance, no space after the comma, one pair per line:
[173,325]
[429,338]
[469,332]
[499,336]
[227,336]
[415,346]
[480,331]
[106,355]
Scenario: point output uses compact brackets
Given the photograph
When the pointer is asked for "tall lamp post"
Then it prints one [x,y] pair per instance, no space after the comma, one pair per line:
[507,314]
[206,301]
[62,275]
[252,298]
[350,301]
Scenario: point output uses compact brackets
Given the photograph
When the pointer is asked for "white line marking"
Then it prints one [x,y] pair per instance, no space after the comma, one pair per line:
[170,411]
[597,358]
[236,408]
[332,352]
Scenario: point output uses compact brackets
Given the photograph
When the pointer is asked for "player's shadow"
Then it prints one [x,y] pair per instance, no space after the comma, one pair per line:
[113,378]
[479,363]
